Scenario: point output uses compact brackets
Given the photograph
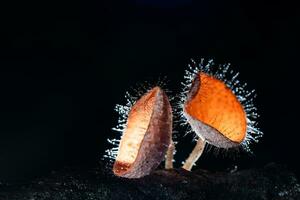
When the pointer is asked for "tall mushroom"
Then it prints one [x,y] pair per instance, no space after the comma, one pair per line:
[214,114]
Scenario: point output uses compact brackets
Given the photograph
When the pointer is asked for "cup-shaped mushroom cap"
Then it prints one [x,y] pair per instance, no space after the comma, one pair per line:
[215,113]
[147,136]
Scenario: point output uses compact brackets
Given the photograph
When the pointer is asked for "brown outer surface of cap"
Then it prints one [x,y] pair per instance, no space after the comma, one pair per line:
[155,142]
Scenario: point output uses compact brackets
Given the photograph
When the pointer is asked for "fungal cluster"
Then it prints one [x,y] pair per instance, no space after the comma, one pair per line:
[214,104]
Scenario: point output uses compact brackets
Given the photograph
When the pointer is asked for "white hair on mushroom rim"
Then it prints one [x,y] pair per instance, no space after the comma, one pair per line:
[229,78]
[123,111]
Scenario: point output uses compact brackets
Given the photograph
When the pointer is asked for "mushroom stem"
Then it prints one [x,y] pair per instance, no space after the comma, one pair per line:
[170,156]
[195,155]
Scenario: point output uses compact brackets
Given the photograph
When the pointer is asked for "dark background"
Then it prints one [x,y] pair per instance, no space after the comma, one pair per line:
[64,65]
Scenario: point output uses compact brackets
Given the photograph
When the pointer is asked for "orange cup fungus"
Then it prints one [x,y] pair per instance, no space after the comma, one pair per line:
[215,113]
[219,110]
[146,137]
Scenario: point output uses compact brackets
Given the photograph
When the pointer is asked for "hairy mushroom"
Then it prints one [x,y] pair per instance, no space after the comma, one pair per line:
[219,111]
[146,137]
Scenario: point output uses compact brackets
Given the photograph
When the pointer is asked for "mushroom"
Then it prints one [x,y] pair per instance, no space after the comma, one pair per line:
[147,136]
[214,114]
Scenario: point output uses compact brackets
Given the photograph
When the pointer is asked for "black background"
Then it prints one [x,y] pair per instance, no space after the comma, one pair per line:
[64,65]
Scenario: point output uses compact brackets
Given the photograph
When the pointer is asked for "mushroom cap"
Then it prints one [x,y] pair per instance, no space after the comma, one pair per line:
[147,136]
[215,113]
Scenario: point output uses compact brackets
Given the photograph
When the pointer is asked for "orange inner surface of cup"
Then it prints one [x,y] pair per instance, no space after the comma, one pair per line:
[217,106]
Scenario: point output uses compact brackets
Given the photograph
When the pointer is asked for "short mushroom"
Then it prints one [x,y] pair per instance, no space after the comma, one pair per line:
[146,137]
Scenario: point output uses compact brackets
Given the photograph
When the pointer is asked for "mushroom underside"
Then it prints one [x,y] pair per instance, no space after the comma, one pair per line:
[209,134]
